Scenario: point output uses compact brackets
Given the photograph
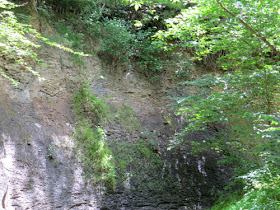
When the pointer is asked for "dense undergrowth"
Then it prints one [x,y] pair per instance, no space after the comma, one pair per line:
[115,32]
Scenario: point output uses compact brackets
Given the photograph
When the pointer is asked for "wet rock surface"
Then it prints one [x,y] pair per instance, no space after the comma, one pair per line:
[37,161]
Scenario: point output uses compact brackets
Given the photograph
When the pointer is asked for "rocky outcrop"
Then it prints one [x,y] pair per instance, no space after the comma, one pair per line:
[37,163]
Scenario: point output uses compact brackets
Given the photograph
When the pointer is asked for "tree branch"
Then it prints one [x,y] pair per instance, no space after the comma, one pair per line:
[273,48]
[3,199]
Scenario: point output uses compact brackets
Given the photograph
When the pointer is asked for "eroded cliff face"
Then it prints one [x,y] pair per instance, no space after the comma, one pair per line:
[38,167]
[36,119]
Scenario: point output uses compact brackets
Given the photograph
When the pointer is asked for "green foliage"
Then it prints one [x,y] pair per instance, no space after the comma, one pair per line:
[261,191]
[16,40]
[67,35]
[174,4]
[146,55]
[119,44]
[91,139]
[116,40]
[239,102]
[233,96]
[44,10]
[13,42]
[75,40]
[88,106]
[210,29]
[96,156]
[244,37]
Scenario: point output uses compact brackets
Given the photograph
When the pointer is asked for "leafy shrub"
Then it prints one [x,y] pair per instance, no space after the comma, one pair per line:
[146,54]
[261,191]
[74,40]
[119,41]
[116,40]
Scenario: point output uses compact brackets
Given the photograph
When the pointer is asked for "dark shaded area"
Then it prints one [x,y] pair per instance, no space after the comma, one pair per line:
[44,175]
[185,182]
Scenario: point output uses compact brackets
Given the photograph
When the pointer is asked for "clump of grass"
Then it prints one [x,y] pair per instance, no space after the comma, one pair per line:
[87,106]
[96,156]
[91,143]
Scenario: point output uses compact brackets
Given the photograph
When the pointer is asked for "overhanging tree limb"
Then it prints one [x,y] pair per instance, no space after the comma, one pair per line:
[273,48]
